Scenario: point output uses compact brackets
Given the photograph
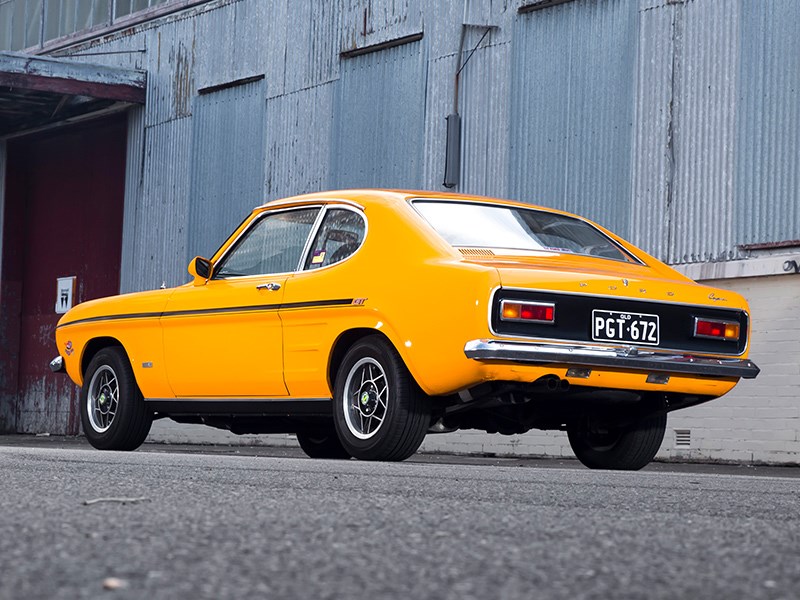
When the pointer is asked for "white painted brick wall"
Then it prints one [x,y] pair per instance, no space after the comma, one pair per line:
[759,421]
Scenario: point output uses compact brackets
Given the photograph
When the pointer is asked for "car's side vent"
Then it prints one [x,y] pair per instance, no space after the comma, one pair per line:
[476,252]
[683,438]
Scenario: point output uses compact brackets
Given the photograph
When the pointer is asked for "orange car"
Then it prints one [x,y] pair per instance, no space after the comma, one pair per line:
[361,320]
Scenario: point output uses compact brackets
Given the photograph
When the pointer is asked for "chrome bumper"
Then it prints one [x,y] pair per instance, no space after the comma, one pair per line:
[57,365]
[633,358]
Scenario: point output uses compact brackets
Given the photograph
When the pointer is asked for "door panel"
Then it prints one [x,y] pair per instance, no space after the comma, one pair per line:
[223,339]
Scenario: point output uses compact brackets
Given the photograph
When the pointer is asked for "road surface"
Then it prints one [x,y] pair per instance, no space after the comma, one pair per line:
[80,523]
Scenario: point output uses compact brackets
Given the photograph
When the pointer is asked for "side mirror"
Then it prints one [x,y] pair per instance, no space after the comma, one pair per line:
[200,270]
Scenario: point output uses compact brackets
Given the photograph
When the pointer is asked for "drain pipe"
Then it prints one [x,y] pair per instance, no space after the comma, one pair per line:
[452,156]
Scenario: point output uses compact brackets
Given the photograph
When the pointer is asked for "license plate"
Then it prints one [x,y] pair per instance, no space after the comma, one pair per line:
[633,328]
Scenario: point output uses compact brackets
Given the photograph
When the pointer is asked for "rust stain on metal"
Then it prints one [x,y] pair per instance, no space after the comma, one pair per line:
[183,80]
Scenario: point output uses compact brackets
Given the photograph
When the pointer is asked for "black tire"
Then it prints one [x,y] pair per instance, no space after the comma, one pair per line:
[627,449]
[373,424]
[127,427]
[322,444]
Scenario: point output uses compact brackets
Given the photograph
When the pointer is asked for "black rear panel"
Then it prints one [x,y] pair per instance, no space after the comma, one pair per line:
[574,320]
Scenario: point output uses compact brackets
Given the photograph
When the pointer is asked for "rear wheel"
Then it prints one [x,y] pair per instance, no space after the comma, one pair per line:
[113,412]
[322,444]
[380,412]
[608,447]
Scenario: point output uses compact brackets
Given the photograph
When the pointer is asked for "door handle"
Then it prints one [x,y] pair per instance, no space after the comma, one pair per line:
[271,286]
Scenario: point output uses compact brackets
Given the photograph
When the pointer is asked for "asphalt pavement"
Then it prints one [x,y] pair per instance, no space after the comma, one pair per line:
[177,522]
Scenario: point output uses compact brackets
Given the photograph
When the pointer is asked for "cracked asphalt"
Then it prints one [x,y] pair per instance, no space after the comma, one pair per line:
[182,522]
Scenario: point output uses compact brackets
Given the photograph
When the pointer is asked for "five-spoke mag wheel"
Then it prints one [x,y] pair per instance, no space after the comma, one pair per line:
[367,392]
[103,399]
[113,412]
[380,413]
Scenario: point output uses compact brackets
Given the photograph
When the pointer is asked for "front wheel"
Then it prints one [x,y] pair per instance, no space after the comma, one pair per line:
[380,412]
[608,447]
[113,412]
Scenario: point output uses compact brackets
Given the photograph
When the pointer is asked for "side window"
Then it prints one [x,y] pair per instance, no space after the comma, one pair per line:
[272,245]
[340,234]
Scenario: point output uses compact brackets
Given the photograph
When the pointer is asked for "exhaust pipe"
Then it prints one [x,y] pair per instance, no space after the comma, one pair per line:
[552,383]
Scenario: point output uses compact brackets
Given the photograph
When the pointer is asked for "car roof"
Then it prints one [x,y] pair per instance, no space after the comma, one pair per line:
[364,197]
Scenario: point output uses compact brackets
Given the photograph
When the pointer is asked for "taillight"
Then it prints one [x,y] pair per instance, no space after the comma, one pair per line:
[718,330]
[530,312]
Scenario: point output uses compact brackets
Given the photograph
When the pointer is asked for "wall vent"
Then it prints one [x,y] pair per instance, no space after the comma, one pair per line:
[476,252]
[683,438]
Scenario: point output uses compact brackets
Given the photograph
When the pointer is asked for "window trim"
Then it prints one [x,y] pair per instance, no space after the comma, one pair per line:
[316,226]
[267,213]
[311,238]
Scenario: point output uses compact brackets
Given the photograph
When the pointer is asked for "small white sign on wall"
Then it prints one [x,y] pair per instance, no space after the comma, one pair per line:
[64,294]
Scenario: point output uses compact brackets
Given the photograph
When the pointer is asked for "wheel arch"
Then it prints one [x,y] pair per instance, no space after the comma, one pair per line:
[94,346]
[345,341]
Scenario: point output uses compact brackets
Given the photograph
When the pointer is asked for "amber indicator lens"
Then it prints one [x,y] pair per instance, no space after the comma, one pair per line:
[527,311]
[723,330]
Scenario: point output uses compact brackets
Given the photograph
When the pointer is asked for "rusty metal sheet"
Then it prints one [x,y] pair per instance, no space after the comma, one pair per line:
[367,23]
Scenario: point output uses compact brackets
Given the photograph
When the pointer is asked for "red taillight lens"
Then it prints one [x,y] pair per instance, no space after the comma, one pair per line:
[534,312]
[721,330]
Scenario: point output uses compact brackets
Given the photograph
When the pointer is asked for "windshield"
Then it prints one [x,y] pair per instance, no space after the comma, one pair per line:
[470,225]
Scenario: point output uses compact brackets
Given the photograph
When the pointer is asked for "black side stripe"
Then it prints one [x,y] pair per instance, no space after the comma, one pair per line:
[211,311]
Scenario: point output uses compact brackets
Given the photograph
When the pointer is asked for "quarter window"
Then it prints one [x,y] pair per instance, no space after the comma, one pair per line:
[272,245]
[340,235]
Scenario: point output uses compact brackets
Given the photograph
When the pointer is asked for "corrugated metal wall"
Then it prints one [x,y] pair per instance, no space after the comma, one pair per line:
[703,112]
[572,109]
[767,163]
[673,122]
[379,119]
[227,163]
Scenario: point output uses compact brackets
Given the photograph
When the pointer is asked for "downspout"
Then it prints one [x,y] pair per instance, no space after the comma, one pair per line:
[452,157]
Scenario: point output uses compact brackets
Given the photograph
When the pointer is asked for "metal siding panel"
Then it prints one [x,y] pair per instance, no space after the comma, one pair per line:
[370,22]
[134,176]
[768,123]
[485,112]
[160,236]
[227,163]
[312,48]
[438,104]
[170,71]
[572,109]
[380,119]
[652,156]
[299,141]
[240,40]
[704,103]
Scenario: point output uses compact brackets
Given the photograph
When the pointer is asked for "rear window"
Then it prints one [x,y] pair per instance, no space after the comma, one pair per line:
[475,225]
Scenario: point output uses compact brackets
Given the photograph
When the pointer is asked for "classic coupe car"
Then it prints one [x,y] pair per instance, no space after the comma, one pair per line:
[362,320]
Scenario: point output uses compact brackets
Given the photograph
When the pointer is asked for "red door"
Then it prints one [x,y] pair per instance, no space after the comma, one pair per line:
[64,206]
